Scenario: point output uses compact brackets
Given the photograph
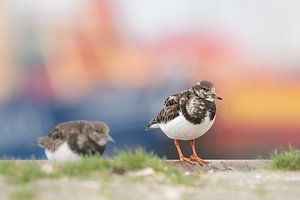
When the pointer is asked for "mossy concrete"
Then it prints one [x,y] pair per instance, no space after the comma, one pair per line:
[220,179]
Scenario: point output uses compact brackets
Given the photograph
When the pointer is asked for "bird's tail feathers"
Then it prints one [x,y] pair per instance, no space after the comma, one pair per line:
[152,126]
[41,141]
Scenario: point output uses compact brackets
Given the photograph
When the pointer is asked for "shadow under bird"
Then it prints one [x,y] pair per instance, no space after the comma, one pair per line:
[71,140]
[187,115]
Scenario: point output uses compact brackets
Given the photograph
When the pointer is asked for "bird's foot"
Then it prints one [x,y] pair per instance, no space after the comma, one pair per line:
[198,160]
[184,159]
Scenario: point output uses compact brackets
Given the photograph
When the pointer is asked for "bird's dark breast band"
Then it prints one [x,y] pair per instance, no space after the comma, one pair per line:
[86,148]
[198,110]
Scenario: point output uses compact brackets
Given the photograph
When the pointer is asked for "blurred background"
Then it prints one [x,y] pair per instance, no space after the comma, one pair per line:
[118,60]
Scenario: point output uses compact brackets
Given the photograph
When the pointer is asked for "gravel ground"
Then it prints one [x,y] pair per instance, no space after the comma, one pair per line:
[219,180]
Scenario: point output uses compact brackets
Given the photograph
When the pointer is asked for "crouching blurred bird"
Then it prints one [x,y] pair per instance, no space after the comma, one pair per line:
[188,115]
[71,140]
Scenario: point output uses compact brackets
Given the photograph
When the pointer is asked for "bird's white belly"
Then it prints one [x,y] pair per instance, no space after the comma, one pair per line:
[62,154]
[181,129]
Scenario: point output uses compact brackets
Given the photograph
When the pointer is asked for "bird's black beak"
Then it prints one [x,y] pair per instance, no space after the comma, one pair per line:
[215,96]
[111,139]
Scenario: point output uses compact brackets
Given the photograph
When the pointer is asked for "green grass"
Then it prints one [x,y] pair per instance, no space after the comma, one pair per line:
[286,160]
[261,190]
[138,159]
[23,194]
[186,196]
[124,161]
[129,160]
[177,176]
[85,167]
[20,172]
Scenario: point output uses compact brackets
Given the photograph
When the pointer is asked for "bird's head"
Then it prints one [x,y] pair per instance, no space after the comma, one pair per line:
[205,90]
[100,133]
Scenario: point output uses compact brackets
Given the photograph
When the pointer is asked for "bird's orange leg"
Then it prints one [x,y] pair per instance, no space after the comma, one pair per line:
[195,157]
[181,156]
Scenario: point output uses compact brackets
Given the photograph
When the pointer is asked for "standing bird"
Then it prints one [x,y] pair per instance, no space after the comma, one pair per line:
[188,115]
[70,140]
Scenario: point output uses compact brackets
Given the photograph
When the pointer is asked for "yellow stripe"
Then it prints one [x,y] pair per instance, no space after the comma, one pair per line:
[265,104]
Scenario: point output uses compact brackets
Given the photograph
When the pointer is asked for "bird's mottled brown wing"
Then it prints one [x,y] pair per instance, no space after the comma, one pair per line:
[59,134]
[49,143]
[167,113]
[170,109]
[64,130]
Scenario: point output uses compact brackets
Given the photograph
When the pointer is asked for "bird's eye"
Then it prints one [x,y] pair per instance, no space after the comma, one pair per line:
[205,89]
